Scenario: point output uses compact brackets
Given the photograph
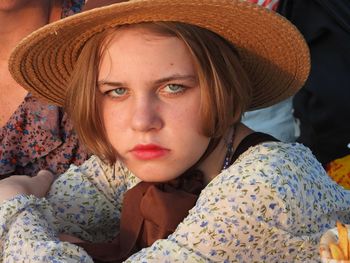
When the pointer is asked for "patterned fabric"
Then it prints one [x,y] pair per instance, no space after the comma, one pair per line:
[71,7]
[271,205]
[39,136]
[339,171]
[270,4]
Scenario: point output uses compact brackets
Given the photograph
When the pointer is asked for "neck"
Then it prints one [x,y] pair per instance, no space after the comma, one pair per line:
[212,165]
[17,21]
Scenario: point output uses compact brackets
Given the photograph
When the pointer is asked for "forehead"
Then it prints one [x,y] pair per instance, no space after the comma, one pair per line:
[147,31]
[144,49]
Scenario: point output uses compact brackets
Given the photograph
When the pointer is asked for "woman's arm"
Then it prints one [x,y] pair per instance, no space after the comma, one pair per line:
[85,201]
[28,236]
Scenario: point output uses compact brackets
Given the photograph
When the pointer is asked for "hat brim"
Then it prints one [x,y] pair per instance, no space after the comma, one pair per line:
[272,51]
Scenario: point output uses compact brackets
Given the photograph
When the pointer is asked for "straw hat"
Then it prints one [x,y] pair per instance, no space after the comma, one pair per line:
[272,51]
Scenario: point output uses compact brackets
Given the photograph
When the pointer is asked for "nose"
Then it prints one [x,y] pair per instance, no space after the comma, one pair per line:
[146,115]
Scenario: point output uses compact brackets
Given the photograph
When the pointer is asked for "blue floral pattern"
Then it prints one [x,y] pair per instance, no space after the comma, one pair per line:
[271,205]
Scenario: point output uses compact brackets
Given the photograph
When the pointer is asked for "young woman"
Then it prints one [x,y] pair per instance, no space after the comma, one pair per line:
[156,90]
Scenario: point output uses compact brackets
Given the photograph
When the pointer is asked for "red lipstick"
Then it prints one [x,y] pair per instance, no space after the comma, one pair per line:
[148,151]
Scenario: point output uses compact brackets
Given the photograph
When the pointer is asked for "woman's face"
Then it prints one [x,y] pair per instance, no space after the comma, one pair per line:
[151,104]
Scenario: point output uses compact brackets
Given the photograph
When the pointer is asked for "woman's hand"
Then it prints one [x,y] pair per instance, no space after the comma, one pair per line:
[38,185]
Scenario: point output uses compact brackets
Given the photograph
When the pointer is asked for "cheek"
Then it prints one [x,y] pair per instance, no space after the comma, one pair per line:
[112,119]
[190,118]
[187,127]
[106,115]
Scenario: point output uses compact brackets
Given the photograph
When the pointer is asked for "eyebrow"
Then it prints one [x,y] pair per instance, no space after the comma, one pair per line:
[156,82]
[176,77]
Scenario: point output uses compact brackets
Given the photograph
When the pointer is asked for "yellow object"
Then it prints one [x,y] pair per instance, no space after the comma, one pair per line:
[339,171]
[343,240]
[336,252]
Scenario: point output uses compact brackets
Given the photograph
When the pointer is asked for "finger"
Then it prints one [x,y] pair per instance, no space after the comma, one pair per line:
[42,183]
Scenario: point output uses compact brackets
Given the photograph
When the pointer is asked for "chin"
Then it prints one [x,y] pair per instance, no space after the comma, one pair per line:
[149,175]
[156,178]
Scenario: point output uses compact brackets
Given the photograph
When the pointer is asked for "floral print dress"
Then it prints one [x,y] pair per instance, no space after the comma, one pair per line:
[271,205]
[38,136]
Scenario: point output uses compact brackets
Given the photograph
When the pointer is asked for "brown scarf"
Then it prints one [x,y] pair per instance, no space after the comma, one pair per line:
[152,211]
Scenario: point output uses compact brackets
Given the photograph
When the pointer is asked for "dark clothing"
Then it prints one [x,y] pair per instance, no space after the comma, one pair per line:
[323,104]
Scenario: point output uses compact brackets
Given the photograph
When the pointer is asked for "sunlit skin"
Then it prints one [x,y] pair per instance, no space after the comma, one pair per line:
[151,104]
[18,18]
[11,5]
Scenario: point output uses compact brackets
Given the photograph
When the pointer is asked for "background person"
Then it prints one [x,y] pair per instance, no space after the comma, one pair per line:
[33,134]
[322,104]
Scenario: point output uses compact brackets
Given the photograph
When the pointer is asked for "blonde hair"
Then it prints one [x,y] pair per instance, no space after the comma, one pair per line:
[225,87]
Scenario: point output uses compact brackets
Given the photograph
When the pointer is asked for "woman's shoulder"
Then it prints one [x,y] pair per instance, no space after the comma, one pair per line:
[285,171]
[277,164]
[273,155]
[276,182]
[277,148]
[267,160]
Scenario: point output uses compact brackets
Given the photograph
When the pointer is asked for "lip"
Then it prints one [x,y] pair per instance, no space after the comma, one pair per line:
[148,151]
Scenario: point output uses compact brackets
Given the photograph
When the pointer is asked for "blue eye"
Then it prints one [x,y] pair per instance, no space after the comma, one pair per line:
[118,92]
[174,88]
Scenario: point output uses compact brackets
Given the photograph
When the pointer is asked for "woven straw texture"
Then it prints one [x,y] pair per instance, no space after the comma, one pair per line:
[272,51]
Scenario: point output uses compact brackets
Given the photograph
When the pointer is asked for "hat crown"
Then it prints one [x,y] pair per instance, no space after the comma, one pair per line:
[272,51]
